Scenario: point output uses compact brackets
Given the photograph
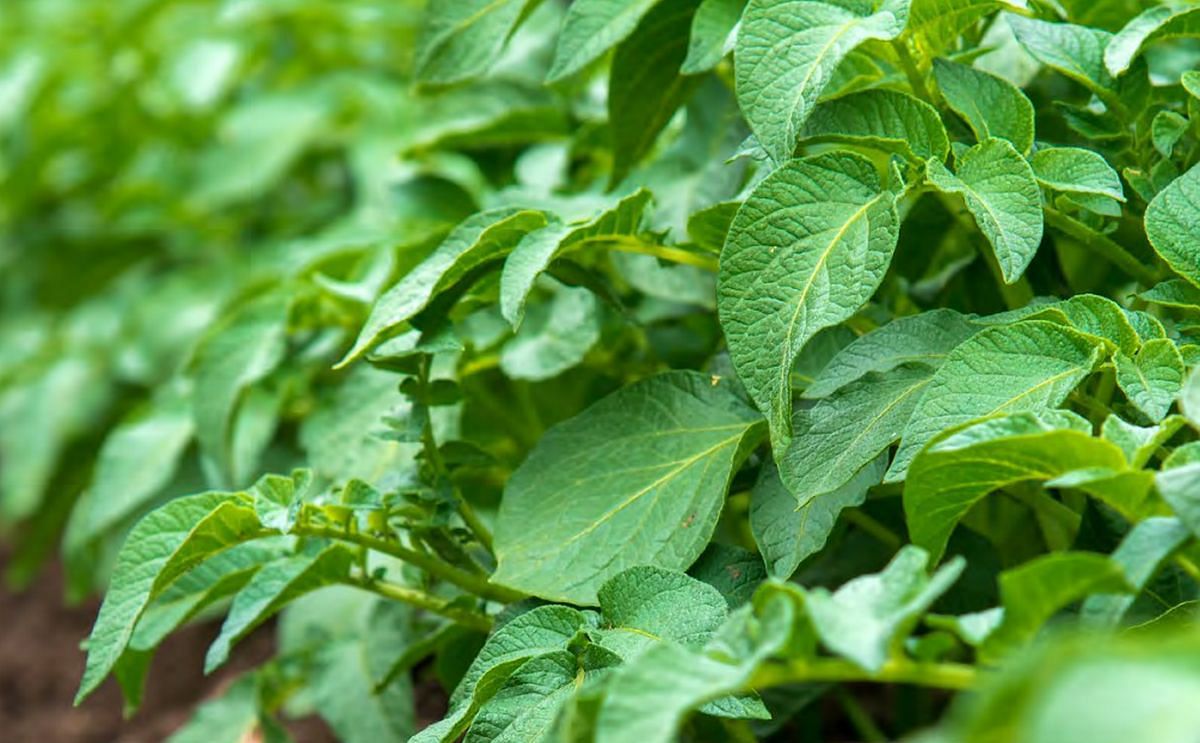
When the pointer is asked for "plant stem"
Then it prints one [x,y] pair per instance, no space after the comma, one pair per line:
[1101,245]
[1015,295]
[420,599]
[871,526]
[954,676]
[1189,567]
[666,252]
[475,584]
[862,722]
[915,79]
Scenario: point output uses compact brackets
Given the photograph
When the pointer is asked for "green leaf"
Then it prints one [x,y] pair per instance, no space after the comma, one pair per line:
[1034,592]
[825,452]
[1030,366]
[484,237]
[344,691]
[787,535]
[339,435]
[735,572]
[711,30]
[276,584]
[1153,378]
[591,28]
[1140,555]
[806,250]
[1096,316]
[1171,220]
[1180,488]
[937,24]
[787,53]
[164,545]
[918,339]
[886,119]
[537,249]
[1153,24]
[243,350]
[1076,170]
[644,605]
[954,472]
[991,106]
[232,717]
[636,479]
[461,40]
[1167,129]
[868,619]
[557,337]
[1137,442]
[999,189]
[1075,51]
[1173,293]
[526,707]
[645,86]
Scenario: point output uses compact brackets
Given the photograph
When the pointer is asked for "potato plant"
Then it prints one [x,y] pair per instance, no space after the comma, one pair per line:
[640,370]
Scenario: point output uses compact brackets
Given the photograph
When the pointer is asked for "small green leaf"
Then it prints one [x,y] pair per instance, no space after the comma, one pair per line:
[712,28]
[557,336]
[787,53]
[999,189]
[886,119]
[1153,378]
[643,605]
[1171,224]
[1137,442]
[1180,488]
[953,473]
[806,250]
[1141,553]
[276,584]
[460,40]
[1076,170]
[1153,24]
[991,106]
[1173,293]
[636,479]
[484,237]
[164,545]
[868,619]
[1167,129]
[591,28]
[1075,51]
[1029,366]
[937,24]
[1096,316]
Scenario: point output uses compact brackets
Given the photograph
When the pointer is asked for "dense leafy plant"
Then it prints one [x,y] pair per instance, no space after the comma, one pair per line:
[647,369]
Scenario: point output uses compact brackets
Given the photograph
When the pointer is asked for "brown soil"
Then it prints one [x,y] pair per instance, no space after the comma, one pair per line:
[40,667]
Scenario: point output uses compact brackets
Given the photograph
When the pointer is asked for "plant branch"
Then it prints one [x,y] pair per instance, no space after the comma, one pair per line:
[915,79]
[1101,245]
[465,617]
[952,676]
[666,252]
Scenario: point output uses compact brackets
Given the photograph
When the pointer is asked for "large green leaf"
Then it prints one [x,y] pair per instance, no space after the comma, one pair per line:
[787,52]
[484,237]
[1154,24]
[787,535]
[645,86]
[163,546]
[953,473]
[638,478]
[345,690]
[844,432]
[1171,224]
[918,339]
[1030,366]
[881,118]
[868,619]
[1152,378]
[460,39]
[806,250]
[991,106]
[591,28]
[999,189]
[340,435]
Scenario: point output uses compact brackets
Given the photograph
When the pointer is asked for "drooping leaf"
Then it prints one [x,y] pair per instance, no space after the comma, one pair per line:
[991,106]
[868,619]
[920,339]
[787,53]
[999,189]
[1171,224]
[163,546]
[881,118]
[712,27]
[481,238]
[638,478]
[1076,170]
[461,40]
[787,535]
[1153,378]
[805,251]
[825,452]
[591,28]
[956,471]
[1029,366]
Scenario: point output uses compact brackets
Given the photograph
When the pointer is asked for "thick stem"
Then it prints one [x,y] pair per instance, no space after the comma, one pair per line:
[1101,245]
[915,79]
[475,584]
[953,676]
[422,600]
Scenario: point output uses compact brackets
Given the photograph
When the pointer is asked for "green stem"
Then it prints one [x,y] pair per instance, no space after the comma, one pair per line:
[862,722]
[666,252]
[871,526]
[420,599]
[1189,567]
[953,676]
[915,79]
[475,524]
[1101,245]
[475,584]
